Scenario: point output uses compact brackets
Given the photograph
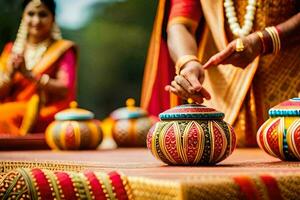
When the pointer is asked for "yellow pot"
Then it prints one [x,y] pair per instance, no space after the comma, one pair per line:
[74,129]
[279,136]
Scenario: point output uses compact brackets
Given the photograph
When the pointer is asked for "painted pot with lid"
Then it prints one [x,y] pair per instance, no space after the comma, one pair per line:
[131,125]
[74,129]
[191,134]
[279,136]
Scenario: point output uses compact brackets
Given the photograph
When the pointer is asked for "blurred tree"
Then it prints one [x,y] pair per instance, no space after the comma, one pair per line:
[9,20]
[113,48]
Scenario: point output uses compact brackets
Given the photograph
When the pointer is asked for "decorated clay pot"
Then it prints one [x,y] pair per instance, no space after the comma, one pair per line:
[279,136]
[131,125]
[191,135]
[74,129]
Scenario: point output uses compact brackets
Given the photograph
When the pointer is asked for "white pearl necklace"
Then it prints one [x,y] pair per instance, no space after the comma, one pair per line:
[233,21]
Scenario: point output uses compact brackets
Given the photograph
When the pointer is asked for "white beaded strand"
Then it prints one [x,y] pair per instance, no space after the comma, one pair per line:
[233,21]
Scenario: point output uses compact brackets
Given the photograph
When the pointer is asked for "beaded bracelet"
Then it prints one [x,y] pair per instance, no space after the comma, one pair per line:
[183,60]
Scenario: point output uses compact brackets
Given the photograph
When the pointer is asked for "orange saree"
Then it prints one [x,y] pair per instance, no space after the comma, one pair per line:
[26,108]
[243,95]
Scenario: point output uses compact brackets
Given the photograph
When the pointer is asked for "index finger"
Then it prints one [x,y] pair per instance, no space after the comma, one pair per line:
[219,57]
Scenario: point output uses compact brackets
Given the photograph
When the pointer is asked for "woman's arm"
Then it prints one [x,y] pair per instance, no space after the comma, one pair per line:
[289,31]
[187,84]
[289,34]
[183,21]
[180,41]
[65,76]
[58,86]
[6,71]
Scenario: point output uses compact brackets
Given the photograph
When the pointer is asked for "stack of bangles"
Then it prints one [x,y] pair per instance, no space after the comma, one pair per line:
[270,40]
[184,60]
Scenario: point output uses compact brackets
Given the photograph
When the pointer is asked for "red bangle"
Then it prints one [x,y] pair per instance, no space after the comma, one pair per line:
[278,30]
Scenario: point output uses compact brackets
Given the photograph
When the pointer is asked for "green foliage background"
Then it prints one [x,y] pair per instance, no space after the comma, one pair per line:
[112,50]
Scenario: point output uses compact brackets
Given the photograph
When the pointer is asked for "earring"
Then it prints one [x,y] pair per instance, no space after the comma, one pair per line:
[55,32]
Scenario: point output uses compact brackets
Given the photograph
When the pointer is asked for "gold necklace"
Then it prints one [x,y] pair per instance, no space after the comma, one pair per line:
[34,53]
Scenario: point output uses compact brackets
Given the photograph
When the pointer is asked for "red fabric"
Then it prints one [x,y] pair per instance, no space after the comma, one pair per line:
[66,185]
[95,185]
[8,47]
[42,183]
[247,187]
[117,183]
[272,187]
[185,8]
[70,136]
[68,65]
[160,99]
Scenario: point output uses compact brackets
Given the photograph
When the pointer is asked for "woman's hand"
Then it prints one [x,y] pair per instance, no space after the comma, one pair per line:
[17,63]
[252,48]
[189,83]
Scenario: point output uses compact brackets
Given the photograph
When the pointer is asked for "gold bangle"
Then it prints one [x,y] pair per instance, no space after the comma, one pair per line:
[276,34]
[273,32]
[275,38]
[44,79]
[272,38]
[261,37]
[183,60]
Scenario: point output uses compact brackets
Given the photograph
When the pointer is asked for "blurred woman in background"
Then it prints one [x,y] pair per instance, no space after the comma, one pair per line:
[37,72]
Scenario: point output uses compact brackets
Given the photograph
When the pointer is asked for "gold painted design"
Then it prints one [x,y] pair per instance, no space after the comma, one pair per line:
[162,143]
[143,188]
[291,138]
[6,166]
[106,184]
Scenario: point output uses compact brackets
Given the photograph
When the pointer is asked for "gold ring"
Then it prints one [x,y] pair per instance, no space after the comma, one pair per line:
[190,101]
[239,46]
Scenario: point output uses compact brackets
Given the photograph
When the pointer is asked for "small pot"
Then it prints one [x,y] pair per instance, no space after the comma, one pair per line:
[191,135]
[279,136]
[74,129]
[131,125]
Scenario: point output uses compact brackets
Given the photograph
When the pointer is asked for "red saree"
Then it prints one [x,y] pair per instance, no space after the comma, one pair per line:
[23,109]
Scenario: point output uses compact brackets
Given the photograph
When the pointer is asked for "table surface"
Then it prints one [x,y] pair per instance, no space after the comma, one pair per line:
[140,162]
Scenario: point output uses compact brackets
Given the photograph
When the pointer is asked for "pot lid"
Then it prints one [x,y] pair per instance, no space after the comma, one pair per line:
[191,111]
[290,107]
[128,112]
[74,113]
